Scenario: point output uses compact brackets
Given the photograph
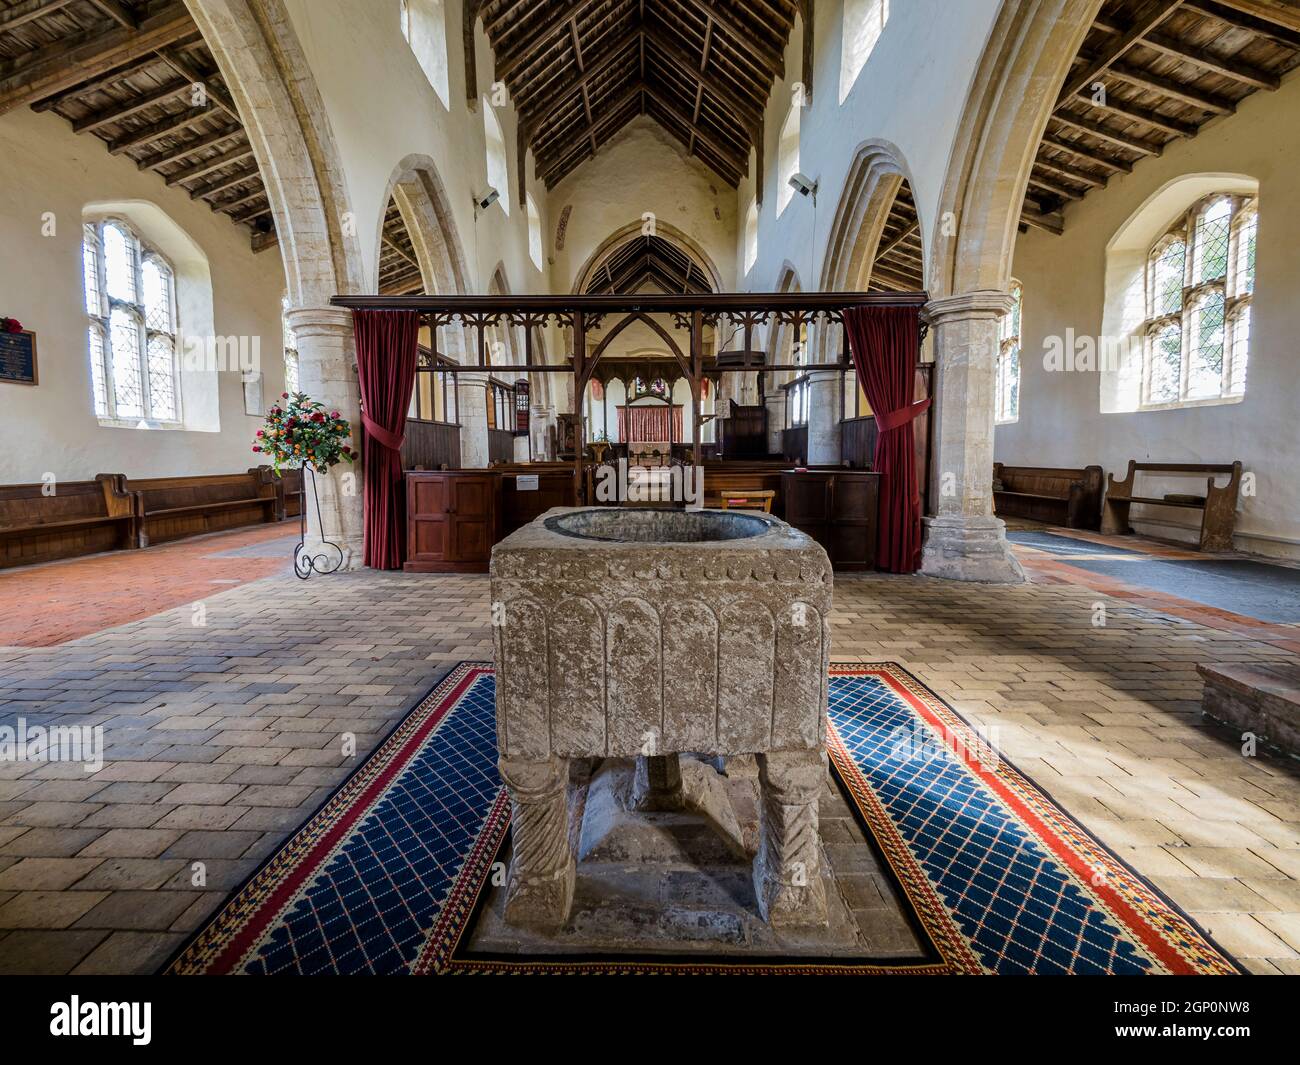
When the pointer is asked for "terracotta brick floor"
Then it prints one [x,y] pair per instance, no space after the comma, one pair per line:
[45,605]
[223,730]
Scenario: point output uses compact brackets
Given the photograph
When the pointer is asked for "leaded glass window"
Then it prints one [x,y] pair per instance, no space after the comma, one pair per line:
[1200,281]
[131,310]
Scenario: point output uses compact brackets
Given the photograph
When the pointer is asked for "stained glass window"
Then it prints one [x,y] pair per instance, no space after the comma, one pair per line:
[1200,282]
[131,304]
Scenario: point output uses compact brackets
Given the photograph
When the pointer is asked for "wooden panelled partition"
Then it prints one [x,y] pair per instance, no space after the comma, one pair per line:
[431,445]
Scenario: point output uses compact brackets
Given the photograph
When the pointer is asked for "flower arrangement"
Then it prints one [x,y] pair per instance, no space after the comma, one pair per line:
[301,432]
[10,325]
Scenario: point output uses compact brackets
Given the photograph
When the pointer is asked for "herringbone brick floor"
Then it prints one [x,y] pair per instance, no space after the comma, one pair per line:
[225,726]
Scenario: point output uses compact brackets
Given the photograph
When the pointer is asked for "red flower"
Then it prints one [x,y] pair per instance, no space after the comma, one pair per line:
[260,433]
[318,417]
[284,395]
[291,422]
[11,325]
[336,414]
[255,447]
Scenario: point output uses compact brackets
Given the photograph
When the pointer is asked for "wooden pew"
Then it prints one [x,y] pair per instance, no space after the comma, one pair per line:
[172,508]
[79,518]
[1218,507]
[1061,496]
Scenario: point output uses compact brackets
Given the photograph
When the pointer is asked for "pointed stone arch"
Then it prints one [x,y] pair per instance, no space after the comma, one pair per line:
[284,117]
[421,198]
[1025,62]
[875,176]
[665,230]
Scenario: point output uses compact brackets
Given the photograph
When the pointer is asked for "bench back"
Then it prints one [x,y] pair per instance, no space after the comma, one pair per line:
[1186,467]
[1045,480]
[23,505]
[170,493]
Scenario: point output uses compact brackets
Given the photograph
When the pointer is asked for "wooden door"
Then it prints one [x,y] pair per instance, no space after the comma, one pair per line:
[472,518]
[428,522]
[854,513]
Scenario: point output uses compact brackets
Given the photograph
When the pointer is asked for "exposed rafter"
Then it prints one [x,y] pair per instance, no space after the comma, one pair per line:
[1149,72]
[578,71]
[138,76]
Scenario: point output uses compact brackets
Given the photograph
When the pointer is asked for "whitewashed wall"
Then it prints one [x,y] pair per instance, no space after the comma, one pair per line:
[52,428]
[1061,422]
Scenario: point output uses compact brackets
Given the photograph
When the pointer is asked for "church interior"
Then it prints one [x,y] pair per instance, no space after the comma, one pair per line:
[649,486]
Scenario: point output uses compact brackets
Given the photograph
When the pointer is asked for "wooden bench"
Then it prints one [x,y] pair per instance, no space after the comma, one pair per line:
[1218,507]
[761,500]
[65,519]
[172,508]
[1057,495]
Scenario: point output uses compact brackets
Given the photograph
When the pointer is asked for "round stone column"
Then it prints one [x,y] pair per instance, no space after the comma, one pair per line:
[775,421]
[327,373]
[964,541]
[543,419]
[471,408]
[825,405]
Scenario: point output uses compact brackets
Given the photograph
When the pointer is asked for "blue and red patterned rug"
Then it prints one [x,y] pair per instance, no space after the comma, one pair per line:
[388,876]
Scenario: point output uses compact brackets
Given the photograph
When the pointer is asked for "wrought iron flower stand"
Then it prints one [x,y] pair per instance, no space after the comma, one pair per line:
[305,562]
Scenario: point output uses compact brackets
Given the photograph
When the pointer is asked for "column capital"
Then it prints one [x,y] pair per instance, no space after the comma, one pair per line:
[319,321]
[475,378]
[827,376]
[985,303]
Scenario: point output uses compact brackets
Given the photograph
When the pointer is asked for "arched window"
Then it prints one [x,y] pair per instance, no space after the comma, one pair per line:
[131,307]
[751,236]
[1200,281]
[290,350]
[1008,371]
[864,22]
[424,25]
[498,170]
[788,155]
[534,233]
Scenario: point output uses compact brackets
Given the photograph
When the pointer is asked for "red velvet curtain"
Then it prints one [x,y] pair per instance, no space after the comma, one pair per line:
[885,343]
[650,424]
[387,352]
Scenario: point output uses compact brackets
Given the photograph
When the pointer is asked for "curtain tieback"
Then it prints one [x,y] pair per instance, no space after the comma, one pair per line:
[382,436]
[896,419]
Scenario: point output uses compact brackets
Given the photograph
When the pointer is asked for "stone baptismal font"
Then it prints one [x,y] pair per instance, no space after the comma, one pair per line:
[651,649]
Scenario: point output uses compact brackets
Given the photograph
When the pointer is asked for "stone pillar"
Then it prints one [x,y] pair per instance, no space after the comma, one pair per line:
[327,373]
[788,870]
[542,421]
[965,541]
[825,405]
[657,783]
[471,408]
[539,886]
[775,421]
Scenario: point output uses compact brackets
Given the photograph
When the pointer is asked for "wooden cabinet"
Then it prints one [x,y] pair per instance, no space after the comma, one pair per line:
[837,508]
[519,507]
[451,520]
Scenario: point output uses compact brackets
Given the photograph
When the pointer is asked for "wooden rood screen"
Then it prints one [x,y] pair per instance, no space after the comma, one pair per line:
[680,321]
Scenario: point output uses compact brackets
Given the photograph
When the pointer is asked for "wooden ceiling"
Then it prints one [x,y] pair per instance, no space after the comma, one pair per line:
[137,75]
[1152,72]
[580,70]
[647,263]
[399,269]
[899,255]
